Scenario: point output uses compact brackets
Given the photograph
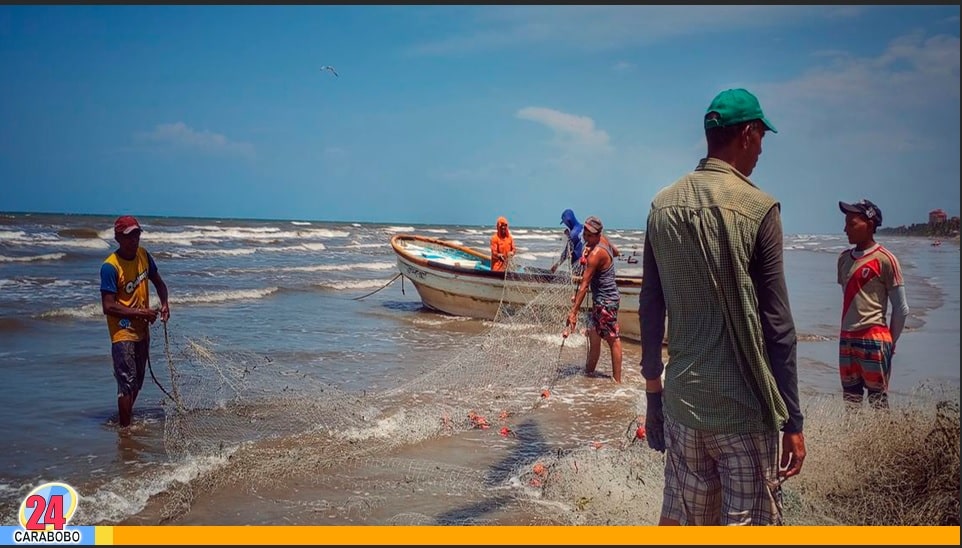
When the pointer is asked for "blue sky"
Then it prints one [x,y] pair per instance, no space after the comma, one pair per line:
[459,114]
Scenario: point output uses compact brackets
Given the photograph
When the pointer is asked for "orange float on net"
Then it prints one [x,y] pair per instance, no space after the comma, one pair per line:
[478,420]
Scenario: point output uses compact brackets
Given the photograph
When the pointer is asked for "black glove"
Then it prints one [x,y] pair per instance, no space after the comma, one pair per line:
[655,422]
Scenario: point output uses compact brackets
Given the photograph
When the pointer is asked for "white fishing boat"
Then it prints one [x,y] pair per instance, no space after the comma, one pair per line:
[458,280]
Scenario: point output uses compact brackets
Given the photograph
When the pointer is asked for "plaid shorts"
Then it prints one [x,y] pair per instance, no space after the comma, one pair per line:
[130,365]
[721,479]
[865,359]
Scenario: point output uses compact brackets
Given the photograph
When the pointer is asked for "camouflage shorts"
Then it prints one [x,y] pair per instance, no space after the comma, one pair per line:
[604,319]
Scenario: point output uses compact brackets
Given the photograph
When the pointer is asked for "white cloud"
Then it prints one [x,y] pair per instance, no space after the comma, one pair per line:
[623,66]
[580,130]
[576,146]
[580,145]
[597,28]
[181,135]
[883,124]
[902,93]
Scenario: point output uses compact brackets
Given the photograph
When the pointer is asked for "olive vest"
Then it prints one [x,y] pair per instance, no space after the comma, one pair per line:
[703,230]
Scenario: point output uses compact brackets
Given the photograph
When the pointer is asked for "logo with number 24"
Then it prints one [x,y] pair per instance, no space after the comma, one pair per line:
[48,507]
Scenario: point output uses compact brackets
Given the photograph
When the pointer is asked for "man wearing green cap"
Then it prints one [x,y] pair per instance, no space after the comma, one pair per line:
[713,263]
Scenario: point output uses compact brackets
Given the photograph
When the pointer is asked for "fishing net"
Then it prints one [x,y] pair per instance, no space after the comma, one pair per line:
[869,467]
[272,422]
[355,454]
[897,466]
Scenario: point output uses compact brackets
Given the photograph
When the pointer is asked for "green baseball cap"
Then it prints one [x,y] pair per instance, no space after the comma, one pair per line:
[734,106]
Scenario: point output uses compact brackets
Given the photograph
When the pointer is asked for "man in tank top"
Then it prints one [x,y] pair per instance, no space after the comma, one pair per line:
[599,276]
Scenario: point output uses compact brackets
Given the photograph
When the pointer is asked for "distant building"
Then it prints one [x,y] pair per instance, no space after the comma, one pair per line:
[937,216]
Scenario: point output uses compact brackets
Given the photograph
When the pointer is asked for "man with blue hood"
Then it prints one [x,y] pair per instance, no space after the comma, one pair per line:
[574,246]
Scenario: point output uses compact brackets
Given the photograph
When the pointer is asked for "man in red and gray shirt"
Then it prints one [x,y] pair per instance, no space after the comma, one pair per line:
[870,277]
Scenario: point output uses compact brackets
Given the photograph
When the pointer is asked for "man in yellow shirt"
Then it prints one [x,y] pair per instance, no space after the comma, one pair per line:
[125,299]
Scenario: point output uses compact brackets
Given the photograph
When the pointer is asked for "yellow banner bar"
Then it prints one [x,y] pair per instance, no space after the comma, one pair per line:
[517,535]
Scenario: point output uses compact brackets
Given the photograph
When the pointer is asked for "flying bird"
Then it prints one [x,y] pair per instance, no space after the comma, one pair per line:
[330,68]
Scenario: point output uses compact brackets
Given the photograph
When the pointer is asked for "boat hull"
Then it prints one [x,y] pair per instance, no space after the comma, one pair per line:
[452,288]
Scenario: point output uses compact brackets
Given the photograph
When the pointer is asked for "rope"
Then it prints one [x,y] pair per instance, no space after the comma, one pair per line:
[162,389]
[398,275]
[170,366]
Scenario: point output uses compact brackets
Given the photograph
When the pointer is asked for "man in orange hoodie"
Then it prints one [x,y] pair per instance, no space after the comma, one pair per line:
[502,246]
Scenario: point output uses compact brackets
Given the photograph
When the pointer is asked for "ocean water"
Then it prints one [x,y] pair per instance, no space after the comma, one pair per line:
[319,297]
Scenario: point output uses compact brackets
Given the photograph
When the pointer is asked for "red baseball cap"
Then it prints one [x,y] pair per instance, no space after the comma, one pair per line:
[125,225]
